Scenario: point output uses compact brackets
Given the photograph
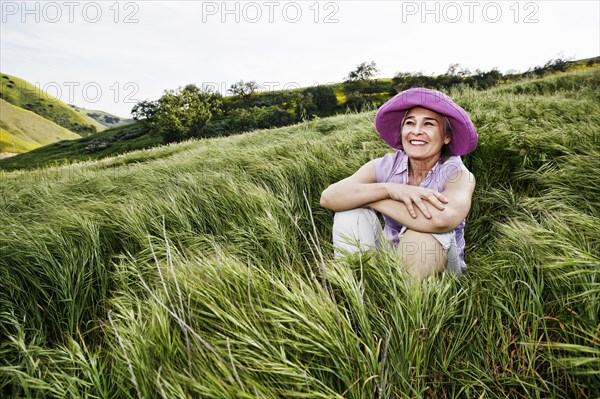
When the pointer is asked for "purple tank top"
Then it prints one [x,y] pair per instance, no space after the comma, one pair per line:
[393,167]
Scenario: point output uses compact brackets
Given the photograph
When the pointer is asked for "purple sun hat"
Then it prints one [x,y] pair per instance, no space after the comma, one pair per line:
[391,114]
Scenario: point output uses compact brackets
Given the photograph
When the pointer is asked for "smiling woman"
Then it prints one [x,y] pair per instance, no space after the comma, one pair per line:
[423,190]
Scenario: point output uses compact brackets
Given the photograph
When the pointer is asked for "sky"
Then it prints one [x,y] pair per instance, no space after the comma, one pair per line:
[108,55]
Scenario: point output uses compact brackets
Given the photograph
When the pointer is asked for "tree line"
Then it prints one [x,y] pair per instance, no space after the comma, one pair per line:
[194,112]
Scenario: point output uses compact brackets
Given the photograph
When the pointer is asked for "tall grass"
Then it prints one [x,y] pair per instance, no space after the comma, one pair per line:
[205,269]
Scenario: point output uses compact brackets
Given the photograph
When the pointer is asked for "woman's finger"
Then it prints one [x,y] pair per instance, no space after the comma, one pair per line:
[423,207]
[435,201]
[440,197]
[410,208]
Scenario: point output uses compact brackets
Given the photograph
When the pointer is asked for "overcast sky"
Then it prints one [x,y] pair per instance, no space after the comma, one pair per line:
[108,55]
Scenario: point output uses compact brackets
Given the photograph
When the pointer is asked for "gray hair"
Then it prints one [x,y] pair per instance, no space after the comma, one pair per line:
[448,126]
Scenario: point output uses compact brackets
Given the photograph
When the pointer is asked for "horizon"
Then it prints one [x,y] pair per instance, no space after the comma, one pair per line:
[278,44]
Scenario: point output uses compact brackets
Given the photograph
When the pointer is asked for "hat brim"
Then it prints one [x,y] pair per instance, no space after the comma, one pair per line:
[391,114]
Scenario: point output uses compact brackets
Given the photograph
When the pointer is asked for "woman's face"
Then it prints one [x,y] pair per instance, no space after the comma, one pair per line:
[423,134]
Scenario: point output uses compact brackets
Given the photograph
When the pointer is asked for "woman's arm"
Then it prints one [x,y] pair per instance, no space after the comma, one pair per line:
[458,191]
[354,191]
[362,190]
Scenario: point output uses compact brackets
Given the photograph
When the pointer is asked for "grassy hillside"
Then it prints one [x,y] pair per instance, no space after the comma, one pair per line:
[23,94]
[99,126]
[10,144]
[101,145]
[204,269]
[102,120]
[28,127]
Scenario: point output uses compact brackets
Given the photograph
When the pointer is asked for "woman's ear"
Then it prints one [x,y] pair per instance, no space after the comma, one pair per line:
[448,139]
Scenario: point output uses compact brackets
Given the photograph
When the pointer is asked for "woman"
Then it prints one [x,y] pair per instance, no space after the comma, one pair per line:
[423,190]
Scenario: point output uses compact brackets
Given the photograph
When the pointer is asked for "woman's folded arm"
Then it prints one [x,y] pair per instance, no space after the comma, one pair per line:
[458,192]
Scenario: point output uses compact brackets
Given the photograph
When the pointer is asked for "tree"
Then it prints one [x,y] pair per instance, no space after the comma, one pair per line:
[316,100]
[457,70]
[484,80]
[324,98]
[363,71]
[144,110]
[179,114]
[244,89]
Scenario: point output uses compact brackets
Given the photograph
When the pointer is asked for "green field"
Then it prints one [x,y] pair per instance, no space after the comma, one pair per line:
[205,269]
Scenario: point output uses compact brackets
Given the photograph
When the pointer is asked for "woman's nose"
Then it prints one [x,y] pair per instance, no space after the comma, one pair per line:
[418,129]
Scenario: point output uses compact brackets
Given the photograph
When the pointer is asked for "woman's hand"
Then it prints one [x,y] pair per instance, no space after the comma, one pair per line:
[449,207]
[413,196]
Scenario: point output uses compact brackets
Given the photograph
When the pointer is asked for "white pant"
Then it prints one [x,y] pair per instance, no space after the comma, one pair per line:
[356,230]
[359,230]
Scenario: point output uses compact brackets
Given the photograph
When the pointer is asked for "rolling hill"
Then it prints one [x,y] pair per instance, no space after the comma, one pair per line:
[11,145]
[102,119]
[24,130]
[110,142]
[23,94]
[30,118]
